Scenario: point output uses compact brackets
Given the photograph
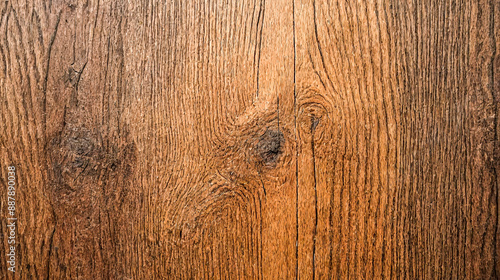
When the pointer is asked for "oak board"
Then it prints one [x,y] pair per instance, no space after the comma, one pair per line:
[298,139]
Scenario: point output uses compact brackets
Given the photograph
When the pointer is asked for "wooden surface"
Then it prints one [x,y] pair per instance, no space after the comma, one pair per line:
[251,140]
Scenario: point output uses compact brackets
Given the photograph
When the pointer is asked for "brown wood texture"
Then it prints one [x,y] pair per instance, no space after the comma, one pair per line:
[298,139]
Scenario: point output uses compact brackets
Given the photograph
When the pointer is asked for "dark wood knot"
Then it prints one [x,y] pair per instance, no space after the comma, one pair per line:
[270,146]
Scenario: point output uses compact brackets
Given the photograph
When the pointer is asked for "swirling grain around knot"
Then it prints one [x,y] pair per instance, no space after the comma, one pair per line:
[80,160]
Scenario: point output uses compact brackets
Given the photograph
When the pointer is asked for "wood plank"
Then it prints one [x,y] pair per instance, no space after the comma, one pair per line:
[413,85]
[348,109]
[298,139]
[450,214]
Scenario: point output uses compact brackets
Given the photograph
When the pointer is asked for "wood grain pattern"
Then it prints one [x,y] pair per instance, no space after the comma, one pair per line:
[298,139]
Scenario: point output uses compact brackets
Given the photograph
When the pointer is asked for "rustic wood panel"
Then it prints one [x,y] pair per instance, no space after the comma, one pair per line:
[251,139]
[349,119]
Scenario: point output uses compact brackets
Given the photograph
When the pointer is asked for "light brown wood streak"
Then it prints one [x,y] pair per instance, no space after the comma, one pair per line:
[297,139]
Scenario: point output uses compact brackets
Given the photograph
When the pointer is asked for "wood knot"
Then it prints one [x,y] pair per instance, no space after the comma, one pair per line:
[86,168]
[81,145]
[314,121]
[270,147]
[72,77]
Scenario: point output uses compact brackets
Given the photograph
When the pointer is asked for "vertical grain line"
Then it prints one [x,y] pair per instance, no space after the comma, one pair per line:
[296,147]
[260,239]
[315,20]
[47,67]
[315,229]
[260,19]
[51,244]
[495,126]
[278,110]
